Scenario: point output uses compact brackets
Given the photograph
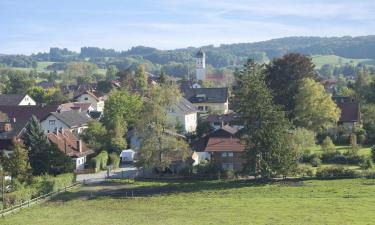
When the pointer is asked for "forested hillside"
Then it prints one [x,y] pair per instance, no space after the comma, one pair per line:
[223,57]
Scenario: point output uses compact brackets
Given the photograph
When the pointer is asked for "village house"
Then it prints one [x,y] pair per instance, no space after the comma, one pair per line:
[16,99]
[208,100]
[350,112]
[89,97]
[14,119]
[183,113]
[226,152]
[71,146]
[199,146]
[75,121]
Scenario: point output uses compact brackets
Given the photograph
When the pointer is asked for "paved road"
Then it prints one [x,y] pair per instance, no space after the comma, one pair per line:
[127,171]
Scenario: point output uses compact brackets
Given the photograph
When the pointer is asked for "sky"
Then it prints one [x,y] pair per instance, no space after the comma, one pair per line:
[31,26]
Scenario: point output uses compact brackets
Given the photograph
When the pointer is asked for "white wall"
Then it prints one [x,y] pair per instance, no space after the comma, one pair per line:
[51,124]
[190,123]
[80,163]
[97,105]
[27,100]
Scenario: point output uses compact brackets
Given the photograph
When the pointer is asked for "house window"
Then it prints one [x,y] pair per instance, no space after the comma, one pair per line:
[227,154]
[227,166]
[200,108]
[86,98]
[51,122]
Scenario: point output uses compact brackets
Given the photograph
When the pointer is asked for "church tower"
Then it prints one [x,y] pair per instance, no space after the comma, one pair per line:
[200,65]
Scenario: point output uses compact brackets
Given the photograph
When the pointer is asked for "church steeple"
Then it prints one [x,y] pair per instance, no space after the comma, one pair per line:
[200,65]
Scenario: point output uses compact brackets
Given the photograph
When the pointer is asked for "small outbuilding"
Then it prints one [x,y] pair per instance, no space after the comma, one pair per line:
[127,156]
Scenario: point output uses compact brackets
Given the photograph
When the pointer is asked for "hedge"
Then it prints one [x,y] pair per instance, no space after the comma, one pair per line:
[100,161]
[40,185]
[114,160]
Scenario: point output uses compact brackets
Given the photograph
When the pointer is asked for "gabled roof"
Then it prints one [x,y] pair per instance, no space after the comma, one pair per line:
[11,99]
[185,106]
[89,93]
[224,132]
[72,118]
[224,145]
[19,116]
[83,106]
[66,141]
[207,95]
[216,118]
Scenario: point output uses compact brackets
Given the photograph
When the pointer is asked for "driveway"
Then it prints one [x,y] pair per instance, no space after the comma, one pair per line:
[127,171]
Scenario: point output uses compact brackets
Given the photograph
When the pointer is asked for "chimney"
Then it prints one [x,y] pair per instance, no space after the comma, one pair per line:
[7,127]
[79,145]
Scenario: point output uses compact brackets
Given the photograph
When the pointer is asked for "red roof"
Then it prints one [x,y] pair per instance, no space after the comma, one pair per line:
[67,142]
[224,145]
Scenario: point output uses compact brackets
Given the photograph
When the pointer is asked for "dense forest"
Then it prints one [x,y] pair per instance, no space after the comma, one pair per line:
[224,57]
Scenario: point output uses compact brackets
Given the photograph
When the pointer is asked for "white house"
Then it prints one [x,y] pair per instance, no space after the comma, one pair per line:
[16,100]
[88,97]
[74,121]
[185,114]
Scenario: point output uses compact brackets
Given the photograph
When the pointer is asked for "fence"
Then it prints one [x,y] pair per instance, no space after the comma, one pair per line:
[36,200]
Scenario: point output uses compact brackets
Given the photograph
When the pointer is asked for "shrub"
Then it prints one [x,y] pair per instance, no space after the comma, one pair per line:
[373,153]
[114,160]
[304,171]
[100,161]
[229,174]
[327,145]
[367,164]
[40,185]
[206,169]
[315,161]
[336,172]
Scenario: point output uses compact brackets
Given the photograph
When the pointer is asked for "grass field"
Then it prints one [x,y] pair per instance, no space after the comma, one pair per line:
[335,60]
[363,150]
[342,202]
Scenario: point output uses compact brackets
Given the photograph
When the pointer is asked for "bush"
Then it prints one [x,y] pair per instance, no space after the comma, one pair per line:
[367,164]
[336,172]
[229,174]
[327,145]
[339,158]
[206,169]
[40,185]
[315,161]
[373,153]
[304,171]
[114,160]
[100,161]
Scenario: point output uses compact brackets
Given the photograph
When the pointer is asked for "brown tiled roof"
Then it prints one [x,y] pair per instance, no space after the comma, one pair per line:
[224,145]
[19,116]
[71,140]
[224,132]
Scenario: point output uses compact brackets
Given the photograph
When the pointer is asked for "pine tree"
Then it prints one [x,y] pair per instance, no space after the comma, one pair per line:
[266,130]
[44,156]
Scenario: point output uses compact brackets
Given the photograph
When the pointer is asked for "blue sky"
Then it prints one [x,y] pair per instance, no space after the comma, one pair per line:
[28,26]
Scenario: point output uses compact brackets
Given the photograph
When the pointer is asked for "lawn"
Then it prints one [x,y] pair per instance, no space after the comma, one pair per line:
[363,150]
[350,201]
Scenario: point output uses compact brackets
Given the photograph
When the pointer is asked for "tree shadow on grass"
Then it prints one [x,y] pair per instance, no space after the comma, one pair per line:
[121,190]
